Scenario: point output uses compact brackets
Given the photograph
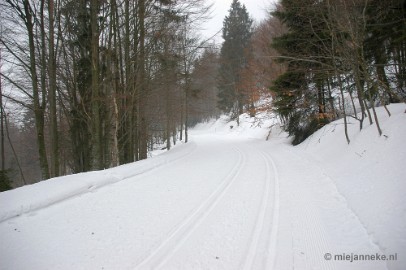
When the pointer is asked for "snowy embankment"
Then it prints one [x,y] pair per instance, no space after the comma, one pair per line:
[370,173]
[40,195]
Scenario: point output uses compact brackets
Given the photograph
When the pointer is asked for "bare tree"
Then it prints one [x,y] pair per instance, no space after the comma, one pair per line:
[52,92]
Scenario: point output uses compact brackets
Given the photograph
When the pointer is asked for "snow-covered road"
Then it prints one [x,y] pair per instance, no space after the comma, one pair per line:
[229,203]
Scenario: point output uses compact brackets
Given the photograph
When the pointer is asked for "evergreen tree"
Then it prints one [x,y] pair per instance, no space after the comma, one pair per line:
[237,30]
[338,50]
[301,93]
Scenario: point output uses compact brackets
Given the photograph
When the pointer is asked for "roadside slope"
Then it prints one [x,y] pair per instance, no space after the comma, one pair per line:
[370,174]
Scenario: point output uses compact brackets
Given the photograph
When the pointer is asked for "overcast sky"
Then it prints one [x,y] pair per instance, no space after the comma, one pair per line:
[256,8]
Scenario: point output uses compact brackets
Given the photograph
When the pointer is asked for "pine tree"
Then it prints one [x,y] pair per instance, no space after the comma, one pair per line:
[301,93]
[237,30]
[355,48]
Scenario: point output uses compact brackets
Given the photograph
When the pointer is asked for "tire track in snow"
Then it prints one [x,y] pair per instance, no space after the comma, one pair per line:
[182,232]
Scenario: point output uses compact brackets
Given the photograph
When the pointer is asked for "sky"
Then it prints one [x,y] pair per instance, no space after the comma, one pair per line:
[256,8]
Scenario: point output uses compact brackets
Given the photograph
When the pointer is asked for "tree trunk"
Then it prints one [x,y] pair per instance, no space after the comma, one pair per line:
[345,115]
[52,94]
[186,116]
[128,133]
[368,112]
[115,153]
[168,126]
[142,97]
[3,157]
[38,109]
[181,119]
[376,121]
[331,98]
[360,95]
[96,98]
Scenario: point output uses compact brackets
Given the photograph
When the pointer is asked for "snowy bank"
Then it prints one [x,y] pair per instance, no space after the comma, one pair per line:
[33,197]
[369,173]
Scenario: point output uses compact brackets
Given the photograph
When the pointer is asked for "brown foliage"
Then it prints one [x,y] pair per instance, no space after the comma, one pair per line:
[261,68]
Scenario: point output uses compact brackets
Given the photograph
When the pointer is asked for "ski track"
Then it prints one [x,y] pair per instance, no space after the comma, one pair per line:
[275,218]
[264,240]
[182,232]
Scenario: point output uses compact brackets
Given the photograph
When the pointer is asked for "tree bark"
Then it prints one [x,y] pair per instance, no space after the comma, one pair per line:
[3,156]
[142,97]
[343,104]
[360,95]
[186,116]
[96,98]
[115,152]
[129,90]
[52,94]
[38,109]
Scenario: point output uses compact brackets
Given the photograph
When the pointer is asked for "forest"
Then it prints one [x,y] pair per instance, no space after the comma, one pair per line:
[88,84]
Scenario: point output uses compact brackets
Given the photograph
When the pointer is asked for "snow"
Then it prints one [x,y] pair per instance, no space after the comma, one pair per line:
[19,201]
[370,173]
[228,199]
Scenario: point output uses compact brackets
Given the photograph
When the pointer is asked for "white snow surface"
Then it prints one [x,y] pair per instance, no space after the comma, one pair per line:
[228,199]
